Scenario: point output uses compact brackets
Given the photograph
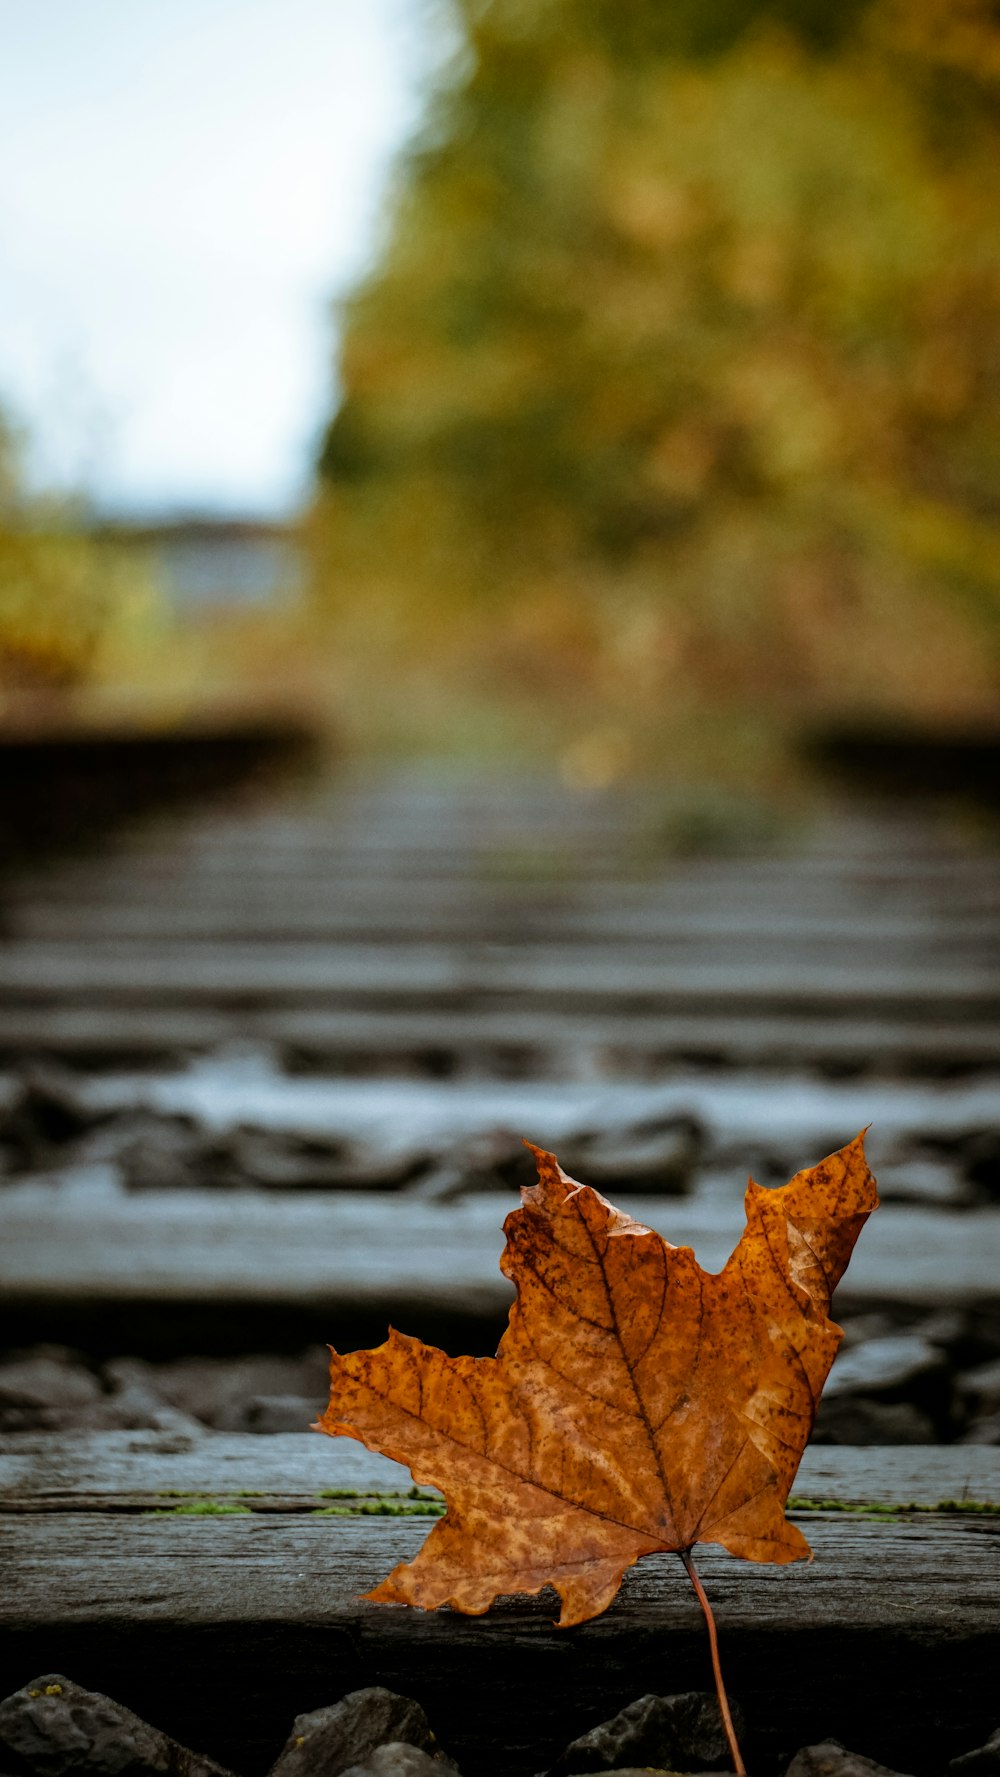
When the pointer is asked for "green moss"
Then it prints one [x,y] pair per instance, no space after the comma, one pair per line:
[351,1503]
[415,1504]
[900,1509]
[199,1508]
[988,1507]
[385,1508]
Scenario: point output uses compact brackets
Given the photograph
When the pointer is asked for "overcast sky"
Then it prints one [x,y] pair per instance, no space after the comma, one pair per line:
[184,186]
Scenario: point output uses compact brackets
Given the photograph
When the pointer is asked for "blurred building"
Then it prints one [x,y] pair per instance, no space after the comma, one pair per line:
[218,562]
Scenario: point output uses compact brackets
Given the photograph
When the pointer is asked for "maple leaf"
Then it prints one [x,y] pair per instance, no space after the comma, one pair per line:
[636,1404]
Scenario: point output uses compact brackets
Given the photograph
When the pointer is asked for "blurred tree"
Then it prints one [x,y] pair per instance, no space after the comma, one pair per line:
[64,594]
[678,376]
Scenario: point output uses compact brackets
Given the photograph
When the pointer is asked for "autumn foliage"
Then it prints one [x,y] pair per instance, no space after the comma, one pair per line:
[636,1404]
[675,376]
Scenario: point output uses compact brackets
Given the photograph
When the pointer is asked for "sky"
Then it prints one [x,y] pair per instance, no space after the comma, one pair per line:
[185,187]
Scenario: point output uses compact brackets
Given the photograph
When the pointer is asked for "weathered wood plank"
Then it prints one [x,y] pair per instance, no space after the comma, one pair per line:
[56,1472]
[110,1465]
[113,970]
[941,1572]
[390,918]
[397,1255]
[889,1637]
[746,1119]
[268,1607]
[546,1040]
[455,850]
[652,901]
[789,1110]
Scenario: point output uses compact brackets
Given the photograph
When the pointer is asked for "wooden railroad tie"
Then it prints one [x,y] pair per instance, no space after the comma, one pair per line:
[214,1584]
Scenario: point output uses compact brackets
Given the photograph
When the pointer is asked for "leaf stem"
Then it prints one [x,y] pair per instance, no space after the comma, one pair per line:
[713,1641]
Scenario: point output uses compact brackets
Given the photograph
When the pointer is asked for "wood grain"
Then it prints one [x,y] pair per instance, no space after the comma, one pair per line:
[352,1251]
[221,1628]
[110,969]
[55,1472]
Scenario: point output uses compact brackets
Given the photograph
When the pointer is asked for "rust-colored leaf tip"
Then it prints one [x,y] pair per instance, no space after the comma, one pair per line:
[636,1402]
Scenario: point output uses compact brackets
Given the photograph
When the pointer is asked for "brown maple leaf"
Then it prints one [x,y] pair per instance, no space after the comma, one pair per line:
[636,1403]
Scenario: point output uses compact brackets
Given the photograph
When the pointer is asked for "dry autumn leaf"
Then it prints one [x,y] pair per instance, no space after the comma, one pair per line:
[636,1403]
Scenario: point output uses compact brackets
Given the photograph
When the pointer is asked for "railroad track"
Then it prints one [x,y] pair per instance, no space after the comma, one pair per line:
[215,1586]
[262,1081]
[410,965]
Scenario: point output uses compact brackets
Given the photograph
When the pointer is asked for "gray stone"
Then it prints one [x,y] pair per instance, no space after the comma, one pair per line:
[860,1328]
[47,1114]
[980,1387]
[443,1184]
[490,1159]
[269,1414]
[216,1390]
[660,1156]
[946,1328]
[47,1376]
[52,1726]
[982,1155]
[329,1741]
[135,1403]
[104,1144]
[983,1431]
[984,1761]
[926,1181]
[830,1759]
[904,1363]
[46,1389]
[369,1168]
[683,1733]
[397,1759]
[157,1152]
[158,1168]
[278,1160]
[858,1421]
[161,1152]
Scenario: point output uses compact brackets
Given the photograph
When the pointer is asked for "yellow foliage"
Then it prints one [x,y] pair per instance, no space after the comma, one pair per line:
[68,599]
[687,328]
